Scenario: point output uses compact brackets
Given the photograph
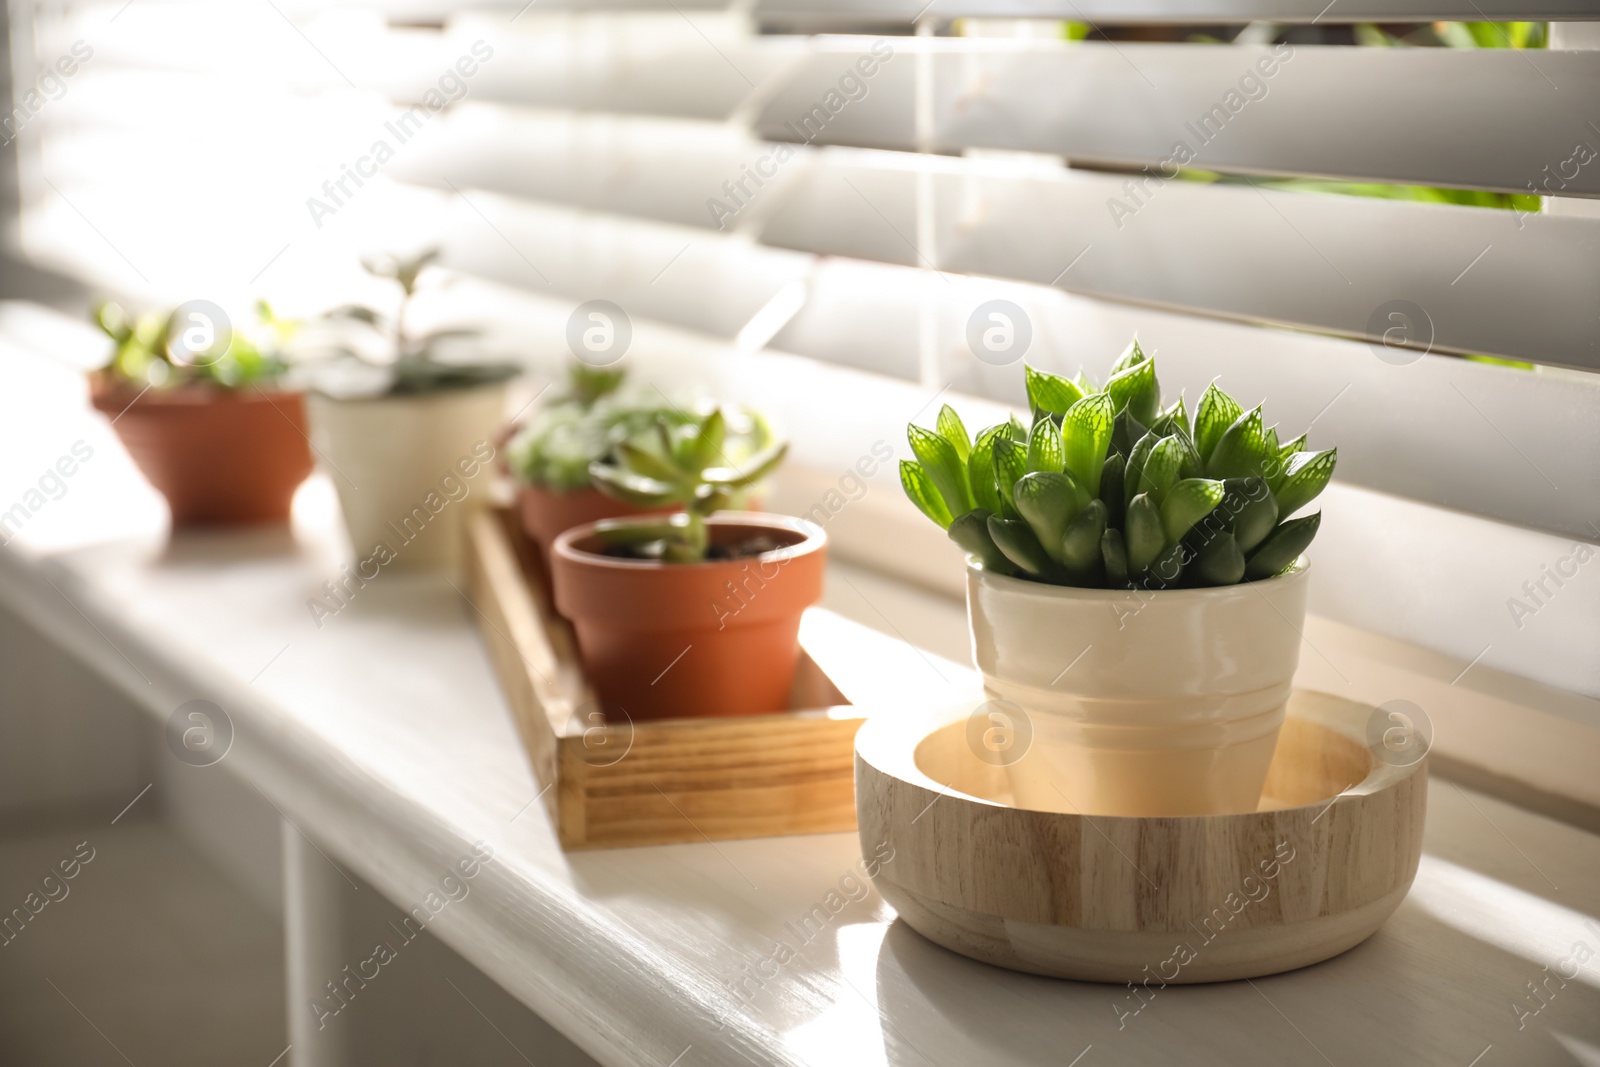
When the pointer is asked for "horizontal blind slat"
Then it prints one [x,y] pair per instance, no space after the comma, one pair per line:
[1489,119]
[1490,282]
[1115,12]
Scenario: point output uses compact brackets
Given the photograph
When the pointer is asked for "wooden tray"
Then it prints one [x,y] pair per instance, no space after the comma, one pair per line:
[1148,901]
[609,784]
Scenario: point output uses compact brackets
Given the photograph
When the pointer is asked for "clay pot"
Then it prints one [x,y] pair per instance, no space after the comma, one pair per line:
[1152,704]
[547,514]
[410,469]
[219,456]
[692,640]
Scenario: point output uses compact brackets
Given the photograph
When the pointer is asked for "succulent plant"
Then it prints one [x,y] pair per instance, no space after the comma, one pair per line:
[144,350]
[1108,489]
[580,425]
[366,352]
[686,466]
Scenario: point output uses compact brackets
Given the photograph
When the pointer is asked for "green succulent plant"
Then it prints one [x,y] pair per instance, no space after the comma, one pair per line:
[682,466]
[581,425]
[144,350]
[596,410]
[1109,489]
[375,353]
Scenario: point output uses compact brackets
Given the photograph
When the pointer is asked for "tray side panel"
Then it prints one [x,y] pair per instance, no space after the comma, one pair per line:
[614,784]
[762,776]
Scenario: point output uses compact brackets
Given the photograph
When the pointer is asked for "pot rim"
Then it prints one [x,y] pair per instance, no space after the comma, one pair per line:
[814,539]
[313,393]
[115,393]
[1296,572]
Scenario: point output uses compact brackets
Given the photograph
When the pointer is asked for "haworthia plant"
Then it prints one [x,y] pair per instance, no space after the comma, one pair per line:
[1109,489]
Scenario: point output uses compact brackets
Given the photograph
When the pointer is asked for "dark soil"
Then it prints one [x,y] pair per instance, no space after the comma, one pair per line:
[749,548]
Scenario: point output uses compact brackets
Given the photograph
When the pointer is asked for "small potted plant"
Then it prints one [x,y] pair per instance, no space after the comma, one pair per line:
[1135,588]
[204,412]
[406,434]
[695,613]
[551,454]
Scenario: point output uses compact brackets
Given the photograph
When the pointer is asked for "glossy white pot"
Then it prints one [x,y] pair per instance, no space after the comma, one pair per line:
[1129,703]
[409,469]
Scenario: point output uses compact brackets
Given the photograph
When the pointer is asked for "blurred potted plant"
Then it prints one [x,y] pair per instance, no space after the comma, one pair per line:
[695,613]
[550,456]
[203,411]
[405,432]
[1135,586]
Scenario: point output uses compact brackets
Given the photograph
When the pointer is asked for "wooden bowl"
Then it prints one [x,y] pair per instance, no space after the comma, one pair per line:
[1316,870]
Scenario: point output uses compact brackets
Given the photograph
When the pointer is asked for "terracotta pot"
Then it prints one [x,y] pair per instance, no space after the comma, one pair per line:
[410,469]
[547,514]
[1150,703]
[219,456]
[692,640]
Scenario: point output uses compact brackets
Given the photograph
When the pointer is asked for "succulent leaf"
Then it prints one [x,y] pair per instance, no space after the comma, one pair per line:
[1255,512]
[1049,392]
[1135,472]
[633,488]
[1045,446]
[647,463]
[939,459]
[1131,355]
[705,447]
[951,429]
[1306,475]
[1080,541]
[1136,389]
[1114,554]
[1220,562]
[1016,540]
[1279,551]
[1241,451]
[755,468]
[1111,483]
[1146,537]
[1085,432]
[1160,470]
[980,471]
[1010,464]
[1048,501]
[919,487]
[1280,471]
[971,532]
[1166,571]
[1217,411]
[1188,502]
[1126,432]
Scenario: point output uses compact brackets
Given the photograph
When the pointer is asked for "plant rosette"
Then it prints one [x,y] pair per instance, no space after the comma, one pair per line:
[551,455]
[1136,589]
[663,640]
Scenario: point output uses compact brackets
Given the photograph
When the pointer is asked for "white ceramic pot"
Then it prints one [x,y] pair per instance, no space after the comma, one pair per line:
[1159,703]
[409,469]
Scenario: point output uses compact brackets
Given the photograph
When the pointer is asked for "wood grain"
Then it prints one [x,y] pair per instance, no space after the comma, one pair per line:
[608,784]
[1327,858]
